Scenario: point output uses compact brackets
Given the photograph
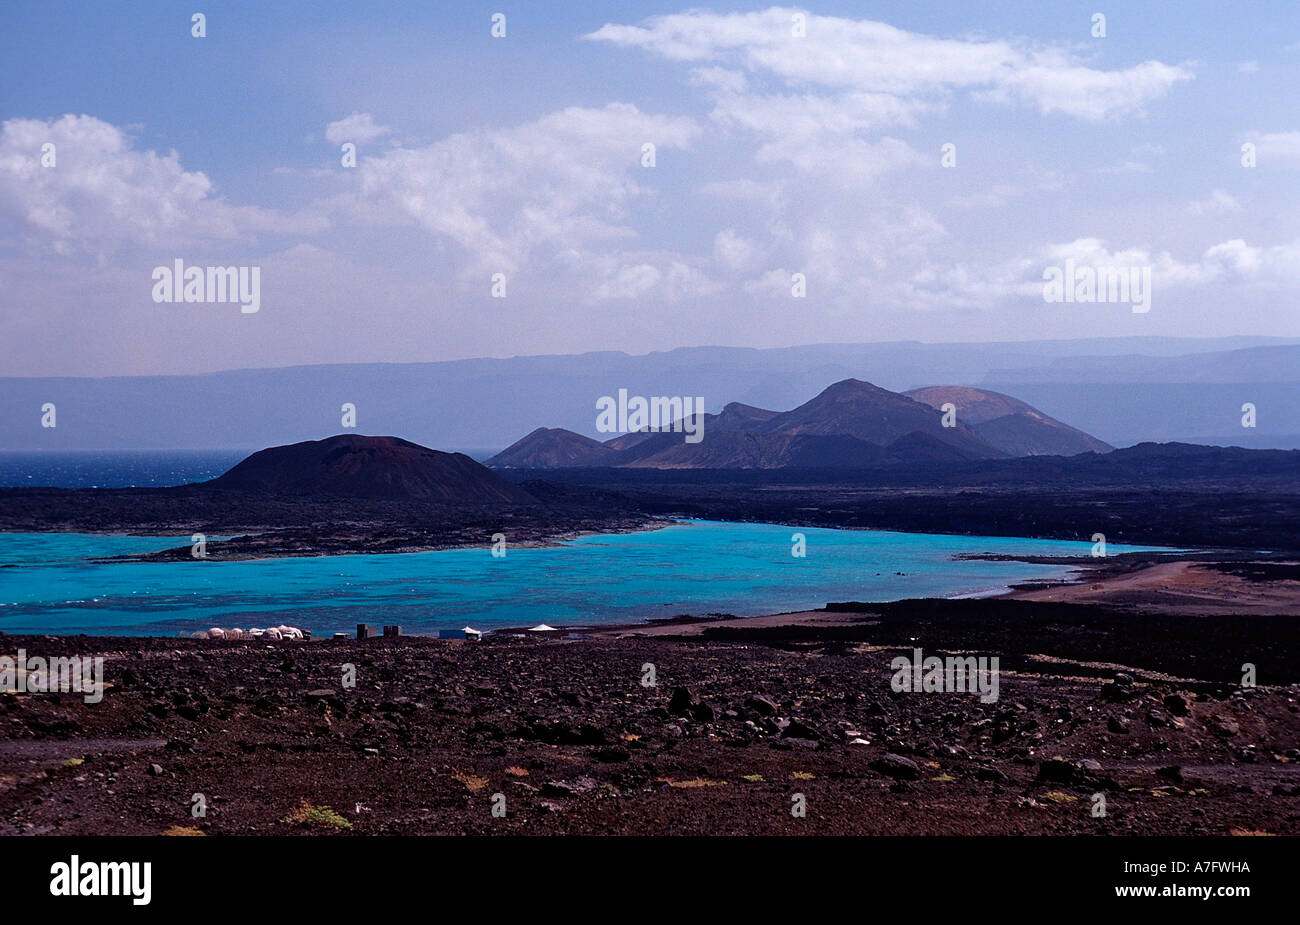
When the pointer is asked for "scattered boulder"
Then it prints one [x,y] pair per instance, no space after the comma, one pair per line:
[683,701]
[897,767]
[1084,772]
[800,730]
[568,788]
[703,712]
[1114,692]
[1222,726]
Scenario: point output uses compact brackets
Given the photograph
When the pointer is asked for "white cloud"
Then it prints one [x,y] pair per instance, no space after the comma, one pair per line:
[868,57]
[1276,148]
[103,194]
[628,282]
[720,78]
[1217,201]
[651,277]
[687,282]
[1276,265]
[358,128]
[989,286]
[733,251]
[772,283]
[505,195]
[823,135]
[1052,84]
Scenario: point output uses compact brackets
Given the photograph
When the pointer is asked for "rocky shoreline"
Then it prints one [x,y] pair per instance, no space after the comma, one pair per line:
[258,526]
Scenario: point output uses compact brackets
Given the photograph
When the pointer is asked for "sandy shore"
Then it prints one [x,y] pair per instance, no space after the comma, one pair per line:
[694,627]
[1189,587]
[1195,588]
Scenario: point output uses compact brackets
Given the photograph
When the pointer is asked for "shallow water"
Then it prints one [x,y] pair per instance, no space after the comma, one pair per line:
[698,567]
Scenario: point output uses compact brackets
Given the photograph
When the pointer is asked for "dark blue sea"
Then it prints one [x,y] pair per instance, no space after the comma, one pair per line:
[113,468]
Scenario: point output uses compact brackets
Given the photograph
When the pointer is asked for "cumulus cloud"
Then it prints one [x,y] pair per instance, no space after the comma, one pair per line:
[358,128]
[628,282]
[988,286]
[1277,265]
[732,250]
[504,195]
[103,193]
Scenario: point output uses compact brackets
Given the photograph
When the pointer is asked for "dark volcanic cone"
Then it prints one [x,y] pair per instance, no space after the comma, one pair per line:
[859,409]
[354,466]
[1009,424]
[553,448]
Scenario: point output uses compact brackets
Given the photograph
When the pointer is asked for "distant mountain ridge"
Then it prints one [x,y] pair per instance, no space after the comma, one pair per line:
[849,424]
[484,404]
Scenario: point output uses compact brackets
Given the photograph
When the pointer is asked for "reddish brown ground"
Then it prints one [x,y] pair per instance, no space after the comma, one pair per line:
[568,733]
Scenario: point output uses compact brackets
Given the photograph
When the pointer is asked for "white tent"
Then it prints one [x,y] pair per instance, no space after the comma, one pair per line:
[470,632]
[542,628]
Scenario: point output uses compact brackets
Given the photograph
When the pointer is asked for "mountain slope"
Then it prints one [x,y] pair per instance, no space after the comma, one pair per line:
[850,424]
[859,409]
[733,418]
[1011,425]
[554,448]
[351,465]
[740,450]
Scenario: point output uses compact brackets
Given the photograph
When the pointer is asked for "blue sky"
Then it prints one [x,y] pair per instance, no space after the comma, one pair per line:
[521,155]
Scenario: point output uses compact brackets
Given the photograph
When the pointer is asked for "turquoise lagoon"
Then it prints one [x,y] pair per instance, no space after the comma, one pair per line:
[49,585]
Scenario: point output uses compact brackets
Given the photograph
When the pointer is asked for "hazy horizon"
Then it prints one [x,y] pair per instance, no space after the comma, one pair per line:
[1189,390]
[1170,345]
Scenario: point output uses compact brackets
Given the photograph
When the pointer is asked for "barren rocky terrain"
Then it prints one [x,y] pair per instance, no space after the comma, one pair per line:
[741,720]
